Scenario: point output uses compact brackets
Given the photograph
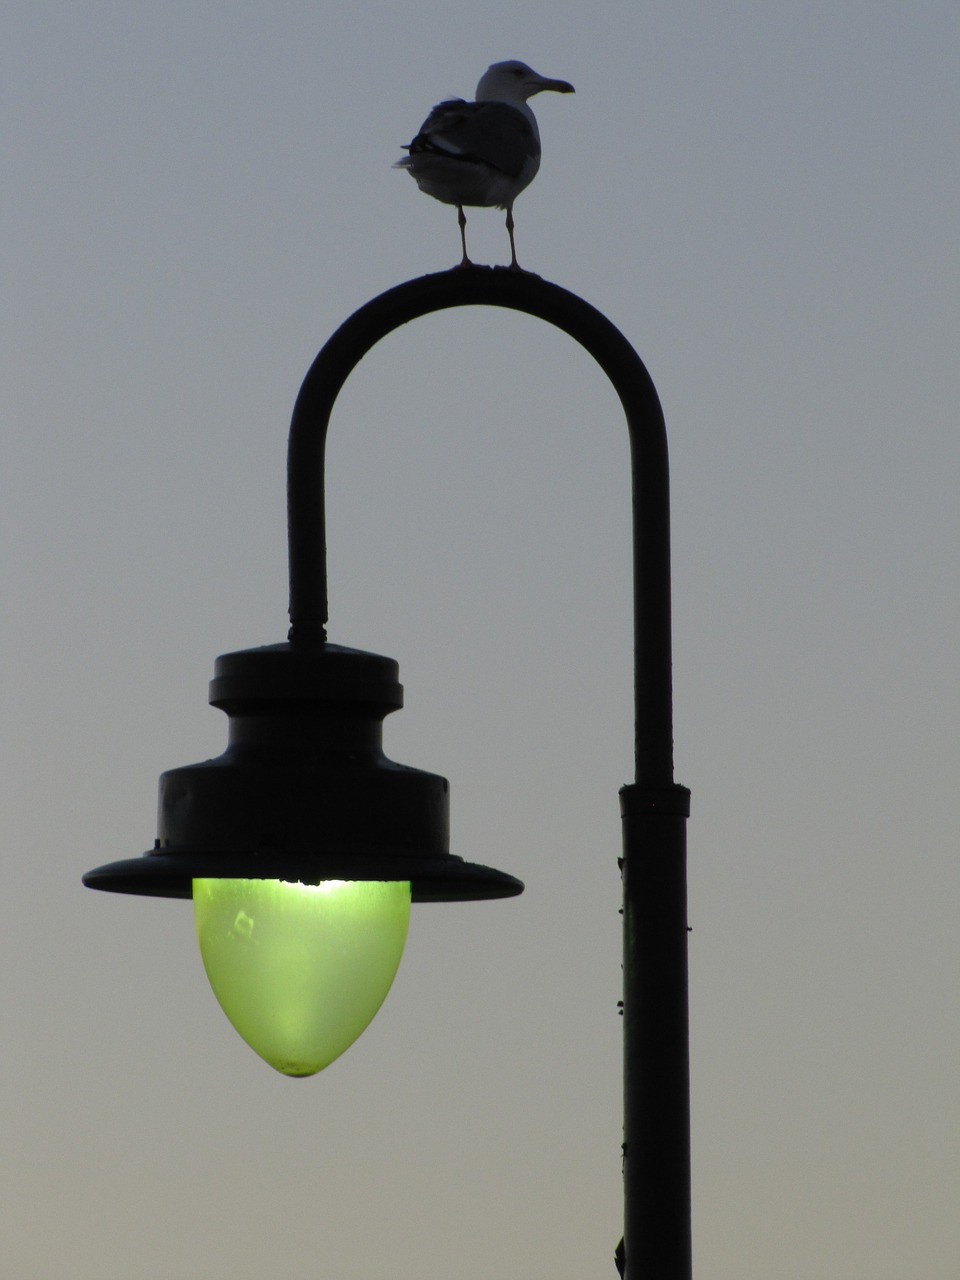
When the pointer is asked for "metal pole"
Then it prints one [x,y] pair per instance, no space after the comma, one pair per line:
[656,1136]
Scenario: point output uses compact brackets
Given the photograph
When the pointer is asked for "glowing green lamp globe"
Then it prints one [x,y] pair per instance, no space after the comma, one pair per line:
[300,970]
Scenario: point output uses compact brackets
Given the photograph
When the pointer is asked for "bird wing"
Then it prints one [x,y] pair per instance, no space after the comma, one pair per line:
[491,133]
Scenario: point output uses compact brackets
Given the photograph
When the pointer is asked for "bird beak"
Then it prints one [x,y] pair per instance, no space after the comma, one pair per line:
[558,86]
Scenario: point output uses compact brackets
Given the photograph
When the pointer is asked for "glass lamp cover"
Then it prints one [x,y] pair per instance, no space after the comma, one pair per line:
[300,970]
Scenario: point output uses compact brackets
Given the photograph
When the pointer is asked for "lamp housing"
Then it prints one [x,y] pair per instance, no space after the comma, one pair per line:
[303,791]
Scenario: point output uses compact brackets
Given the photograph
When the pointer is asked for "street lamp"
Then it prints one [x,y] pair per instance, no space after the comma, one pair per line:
[303,832]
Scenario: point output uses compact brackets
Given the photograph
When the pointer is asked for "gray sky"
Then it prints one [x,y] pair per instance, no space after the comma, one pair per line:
[764,199]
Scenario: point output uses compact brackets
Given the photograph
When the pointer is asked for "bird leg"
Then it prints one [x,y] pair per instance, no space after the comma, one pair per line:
[514,264]
[462,221]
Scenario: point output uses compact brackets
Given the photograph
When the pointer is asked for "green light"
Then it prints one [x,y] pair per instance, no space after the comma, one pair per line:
[300,970]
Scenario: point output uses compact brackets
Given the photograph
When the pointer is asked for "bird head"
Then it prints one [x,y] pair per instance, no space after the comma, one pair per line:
[515,82]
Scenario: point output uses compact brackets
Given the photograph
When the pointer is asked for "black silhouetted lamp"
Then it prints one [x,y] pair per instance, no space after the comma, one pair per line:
[303,846]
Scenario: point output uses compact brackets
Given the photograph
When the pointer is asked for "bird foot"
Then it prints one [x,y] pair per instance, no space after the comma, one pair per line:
[515,269]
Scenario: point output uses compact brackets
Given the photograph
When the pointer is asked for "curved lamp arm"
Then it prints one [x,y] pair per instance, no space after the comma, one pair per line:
[648,451]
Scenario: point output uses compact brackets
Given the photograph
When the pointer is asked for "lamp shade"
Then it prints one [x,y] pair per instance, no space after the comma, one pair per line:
[303,792]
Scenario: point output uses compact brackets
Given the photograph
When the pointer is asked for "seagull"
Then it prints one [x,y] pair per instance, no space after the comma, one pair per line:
[482,153]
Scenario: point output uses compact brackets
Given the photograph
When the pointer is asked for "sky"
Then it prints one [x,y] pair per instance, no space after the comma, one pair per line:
[764,199]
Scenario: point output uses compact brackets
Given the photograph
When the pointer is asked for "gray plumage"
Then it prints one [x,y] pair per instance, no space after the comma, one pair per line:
[482,153]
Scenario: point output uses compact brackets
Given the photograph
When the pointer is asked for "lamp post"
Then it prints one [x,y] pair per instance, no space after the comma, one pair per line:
[304,796]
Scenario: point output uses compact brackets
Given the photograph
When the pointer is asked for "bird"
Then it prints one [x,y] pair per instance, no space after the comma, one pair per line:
[482,153]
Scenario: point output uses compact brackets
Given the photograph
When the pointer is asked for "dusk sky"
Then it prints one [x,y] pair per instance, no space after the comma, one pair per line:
[764,198]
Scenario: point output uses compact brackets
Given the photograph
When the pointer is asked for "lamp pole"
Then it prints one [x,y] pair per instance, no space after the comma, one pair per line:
[656,1130]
